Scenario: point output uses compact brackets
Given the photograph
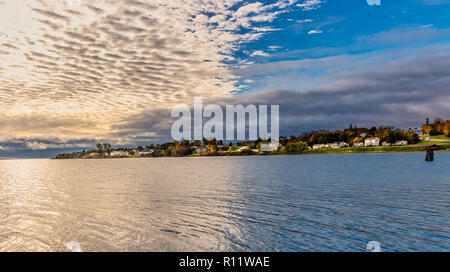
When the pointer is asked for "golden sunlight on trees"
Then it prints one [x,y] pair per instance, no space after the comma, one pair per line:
[446,128]
[427,129]
[438,124]
[438,127]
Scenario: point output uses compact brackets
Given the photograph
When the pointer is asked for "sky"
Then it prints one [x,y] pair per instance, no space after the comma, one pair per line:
[77,72]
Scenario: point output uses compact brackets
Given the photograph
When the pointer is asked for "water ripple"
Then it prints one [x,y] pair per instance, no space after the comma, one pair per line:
[280,203]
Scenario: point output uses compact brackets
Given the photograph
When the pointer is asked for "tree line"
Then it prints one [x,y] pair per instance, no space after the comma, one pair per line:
[438,127]
[292,144]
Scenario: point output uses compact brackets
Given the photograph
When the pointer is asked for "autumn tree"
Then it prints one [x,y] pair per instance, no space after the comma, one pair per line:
[446,128]
[427,128]
[438,125]
[177,144]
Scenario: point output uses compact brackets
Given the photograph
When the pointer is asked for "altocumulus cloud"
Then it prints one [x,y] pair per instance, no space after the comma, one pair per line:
[77,70]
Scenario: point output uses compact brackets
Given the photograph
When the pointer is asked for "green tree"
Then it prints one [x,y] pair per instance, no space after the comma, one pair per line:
[296,147]
[100,148]
[258,146]
[107,148]
[446,128]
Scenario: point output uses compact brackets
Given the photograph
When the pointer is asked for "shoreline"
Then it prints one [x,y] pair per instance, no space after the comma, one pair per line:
[327,152]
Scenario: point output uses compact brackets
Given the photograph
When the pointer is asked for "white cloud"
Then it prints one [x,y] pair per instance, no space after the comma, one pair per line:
[310,4]
[77,69]
[274,47]
[304,21]
[250,8]
[56,144]
[36,145]
[266,29]
[315,31]
[260,53]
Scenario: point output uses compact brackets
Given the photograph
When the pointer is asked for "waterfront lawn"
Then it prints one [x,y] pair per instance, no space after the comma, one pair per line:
[435,137]
[441,143]
[378,149]
[440,137]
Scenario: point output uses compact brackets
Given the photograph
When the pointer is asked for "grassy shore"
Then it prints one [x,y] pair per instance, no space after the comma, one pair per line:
[420,147]
[438,137]
[345,150]
[380,149]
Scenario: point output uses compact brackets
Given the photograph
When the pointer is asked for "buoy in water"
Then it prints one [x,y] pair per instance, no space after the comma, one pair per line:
[430,155]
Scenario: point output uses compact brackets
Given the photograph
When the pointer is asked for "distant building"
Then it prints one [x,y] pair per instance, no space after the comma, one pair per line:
[374,141]
[318,146]
[342,144]
[119,153]
[361,144]
[200,150]
[269,147]
[242,149]
[385,144]
[333,145]
[146,153]
[221,147]
[330,145]
[401,143]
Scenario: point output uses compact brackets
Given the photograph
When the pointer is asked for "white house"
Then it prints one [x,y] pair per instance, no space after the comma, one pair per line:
[146,153]
[333,145]
[200,150]
[244,148]
[318,146]
[358,144]
[269,147]
[374,141]
[385,144]
[330,145]
[118,153]
[401,143]
[342,144]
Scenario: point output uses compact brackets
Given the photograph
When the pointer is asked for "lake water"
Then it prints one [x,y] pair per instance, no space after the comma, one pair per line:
[273,203]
